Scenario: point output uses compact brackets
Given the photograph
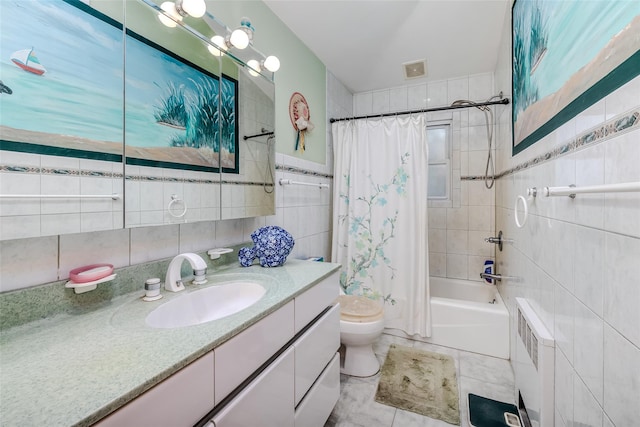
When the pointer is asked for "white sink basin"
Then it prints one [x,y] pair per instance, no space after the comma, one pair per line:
[205,305]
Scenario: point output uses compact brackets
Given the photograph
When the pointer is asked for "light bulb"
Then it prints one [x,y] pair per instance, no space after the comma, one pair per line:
[218,41]
[254,67]
[195,8]
[272,63]
[239,38]
[170,8]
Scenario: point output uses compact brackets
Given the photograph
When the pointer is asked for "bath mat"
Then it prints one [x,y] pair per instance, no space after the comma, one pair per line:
[485,412]
[420,381]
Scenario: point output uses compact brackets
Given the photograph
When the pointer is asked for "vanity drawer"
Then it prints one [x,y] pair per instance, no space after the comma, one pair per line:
[319,402]
[315,300]
[266,401]
[239,357]
[180,400]
[314,349]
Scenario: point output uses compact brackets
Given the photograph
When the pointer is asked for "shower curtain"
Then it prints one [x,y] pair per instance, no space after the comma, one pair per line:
[380,233]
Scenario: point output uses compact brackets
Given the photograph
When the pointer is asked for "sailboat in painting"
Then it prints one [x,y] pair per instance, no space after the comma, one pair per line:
[28,61]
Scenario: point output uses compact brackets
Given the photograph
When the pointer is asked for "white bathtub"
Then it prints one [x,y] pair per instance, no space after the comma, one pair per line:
[469,316]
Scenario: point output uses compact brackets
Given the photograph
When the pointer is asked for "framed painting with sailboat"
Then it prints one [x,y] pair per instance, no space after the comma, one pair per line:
[567,55]
[63,86]
[61,80]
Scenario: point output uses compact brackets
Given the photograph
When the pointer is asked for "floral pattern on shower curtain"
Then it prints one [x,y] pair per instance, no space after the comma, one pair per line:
[380,231]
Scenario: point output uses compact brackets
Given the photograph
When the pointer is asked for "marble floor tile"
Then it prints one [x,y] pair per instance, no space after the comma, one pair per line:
[490,369]
[482,375]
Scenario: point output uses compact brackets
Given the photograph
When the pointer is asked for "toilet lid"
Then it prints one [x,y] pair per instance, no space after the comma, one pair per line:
[354,308]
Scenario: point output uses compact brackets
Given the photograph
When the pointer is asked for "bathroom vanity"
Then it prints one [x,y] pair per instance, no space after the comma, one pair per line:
[273,364]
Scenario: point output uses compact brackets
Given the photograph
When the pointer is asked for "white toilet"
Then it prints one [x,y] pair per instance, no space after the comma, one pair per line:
[361,323]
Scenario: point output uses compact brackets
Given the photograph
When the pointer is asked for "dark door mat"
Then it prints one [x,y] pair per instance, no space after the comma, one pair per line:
[485,412]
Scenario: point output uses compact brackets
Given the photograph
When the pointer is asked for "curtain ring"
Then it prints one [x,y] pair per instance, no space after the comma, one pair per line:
[176,199]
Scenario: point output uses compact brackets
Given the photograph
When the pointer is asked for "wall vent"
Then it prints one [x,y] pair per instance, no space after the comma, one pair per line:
[534,366]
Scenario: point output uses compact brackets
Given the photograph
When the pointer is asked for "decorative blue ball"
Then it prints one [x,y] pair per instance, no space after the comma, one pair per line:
[272,245]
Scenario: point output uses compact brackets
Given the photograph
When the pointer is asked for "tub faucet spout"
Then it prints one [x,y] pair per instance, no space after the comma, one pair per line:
[496,277]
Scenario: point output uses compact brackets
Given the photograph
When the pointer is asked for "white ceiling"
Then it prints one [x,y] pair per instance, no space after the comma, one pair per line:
[365,42]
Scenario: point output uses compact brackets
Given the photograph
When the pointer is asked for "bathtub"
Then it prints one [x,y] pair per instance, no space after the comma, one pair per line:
[468,316]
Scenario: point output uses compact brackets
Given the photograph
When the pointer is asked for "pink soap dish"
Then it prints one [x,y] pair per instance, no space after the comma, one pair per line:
[90,273]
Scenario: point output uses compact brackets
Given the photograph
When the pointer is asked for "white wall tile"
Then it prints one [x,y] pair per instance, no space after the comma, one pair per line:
[621,379]
[398,99]
[588,351]
[437,93]
[28,262]
[622,156]
[154,243]
[587,412]
[622,285]
[564,318]
[380,101]
[589,279]
[417,97]
[564,379]
[77,250]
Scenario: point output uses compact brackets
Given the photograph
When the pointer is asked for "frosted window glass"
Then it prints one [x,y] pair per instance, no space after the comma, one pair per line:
[437,187]
[437,140]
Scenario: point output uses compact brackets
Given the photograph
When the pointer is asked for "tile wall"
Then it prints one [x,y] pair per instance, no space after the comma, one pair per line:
[457,227]
[577,259]
[304,211]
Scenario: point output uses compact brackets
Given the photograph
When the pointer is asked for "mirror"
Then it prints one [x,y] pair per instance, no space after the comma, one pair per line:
[160,148]
[212,125]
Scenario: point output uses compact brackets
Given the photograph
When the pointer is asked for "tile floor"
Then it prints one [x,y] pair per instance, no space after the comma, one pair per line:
[482,375]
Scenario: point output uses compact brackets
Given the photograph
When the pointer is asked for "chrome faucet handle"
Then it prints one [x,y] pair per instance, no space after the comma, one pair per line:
[498,240]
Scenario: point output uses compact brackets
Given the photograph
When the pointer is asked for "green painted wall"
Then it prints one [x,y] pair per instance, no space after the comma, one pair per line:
[300,71]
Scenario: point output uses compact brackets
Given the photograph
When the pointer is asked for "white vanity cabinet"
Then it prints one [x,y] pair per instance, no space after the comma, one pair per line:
[283,371]
[180,400]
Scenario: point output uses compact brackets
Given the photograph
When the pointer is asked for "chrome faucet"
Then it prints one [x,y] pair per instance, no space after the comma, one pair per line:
[496,277]
[173,281]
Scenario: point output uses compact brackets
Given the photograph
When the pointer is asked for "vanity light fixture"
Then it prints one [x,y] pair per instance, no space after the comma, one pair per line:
[179,9]
[241,38]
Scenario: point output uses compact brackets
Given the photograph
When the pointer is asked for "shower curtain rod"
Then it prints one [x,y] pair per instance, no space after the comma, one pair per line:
[504,101]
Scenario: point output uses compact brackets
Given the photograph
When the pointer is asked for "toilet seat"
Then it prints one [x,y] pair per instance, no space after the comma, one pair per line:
[359,309]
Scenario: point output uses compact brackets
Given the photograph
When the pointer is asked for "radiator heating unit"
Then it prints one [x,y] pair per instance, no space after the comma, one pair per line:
[534,368]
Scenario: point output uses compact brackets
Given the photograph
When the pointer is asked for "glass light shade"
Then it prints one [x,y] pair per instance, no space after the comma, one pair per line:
[272,63]
[195,8]
[218,41]
[254,67]
[239,38]
[170,8]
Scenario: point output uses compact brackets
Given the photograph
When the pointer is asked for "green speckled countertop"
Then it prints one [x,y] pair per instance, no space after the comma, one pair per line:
[74,369]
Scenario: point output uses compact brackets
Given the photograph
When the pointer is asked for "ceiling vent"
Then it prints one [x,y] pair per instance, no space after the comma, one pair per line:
[415,69]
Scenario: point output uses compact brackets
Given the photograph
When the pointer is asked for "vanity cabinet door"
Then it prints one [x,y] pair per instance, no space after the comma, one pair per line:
[316,407]
[180,400]
[266,401]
